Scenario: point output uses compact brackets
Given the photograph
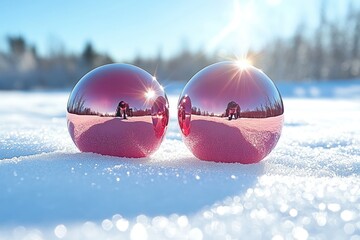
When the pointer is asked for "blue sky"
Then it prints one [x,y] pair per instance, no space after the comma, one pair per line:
[124,29]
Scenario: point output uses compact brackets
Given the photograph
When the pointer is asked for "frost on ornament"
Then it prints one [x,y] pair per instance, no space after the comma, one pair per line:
[118,110]
[230,112]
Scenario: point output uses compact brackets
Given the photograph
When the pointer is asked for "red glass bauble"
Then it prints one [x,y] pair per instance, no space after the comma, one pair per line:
[230,112]
[118,110]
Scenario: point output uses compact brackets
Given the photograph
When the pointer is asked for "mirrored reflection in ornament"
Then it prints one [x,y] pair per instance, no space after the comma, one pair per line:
[118,110]
[160,115]
[184,114]
[230,113]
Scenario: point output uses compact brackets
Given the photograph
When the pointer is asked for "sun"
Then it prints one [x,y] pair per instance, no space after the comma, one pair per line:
[243,63]
[149,94]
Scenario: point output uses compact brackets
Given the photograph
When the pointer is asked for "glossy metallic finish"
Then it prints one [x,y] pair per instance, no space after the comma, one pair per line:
[229,112]
[118,110]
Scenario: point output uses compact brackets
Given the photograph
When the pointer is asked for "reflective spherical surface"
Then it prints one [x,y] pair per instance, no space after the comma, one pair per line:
[230,112]
[118,110]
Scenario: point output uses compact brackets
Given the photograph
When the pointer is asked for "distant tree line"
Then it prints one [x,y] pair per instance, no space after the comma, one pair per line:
[331,51]
[23,68]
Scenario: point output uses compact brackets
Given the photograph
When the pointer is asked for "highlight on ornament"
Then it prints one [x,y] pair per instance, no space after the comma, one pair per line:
[230,112]
[118,110]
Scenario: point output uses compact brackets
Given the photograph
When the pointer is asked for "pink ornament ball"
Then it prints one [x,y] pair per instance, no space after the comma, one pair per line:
[118,110]
[230,112]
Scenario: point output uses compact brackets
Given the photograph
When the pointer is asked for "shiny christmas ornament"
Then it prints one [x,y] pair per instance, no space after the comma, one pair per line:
[118,110]
[230,112]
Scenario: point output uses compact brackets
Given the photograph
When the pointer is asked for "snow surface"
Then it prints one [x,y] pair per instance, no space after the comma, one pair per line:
[307,188]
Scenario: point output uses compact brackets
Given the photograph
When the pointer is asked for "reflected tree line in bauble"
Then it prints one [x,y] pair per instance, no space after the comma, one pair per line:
[77,105]
[233,110]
